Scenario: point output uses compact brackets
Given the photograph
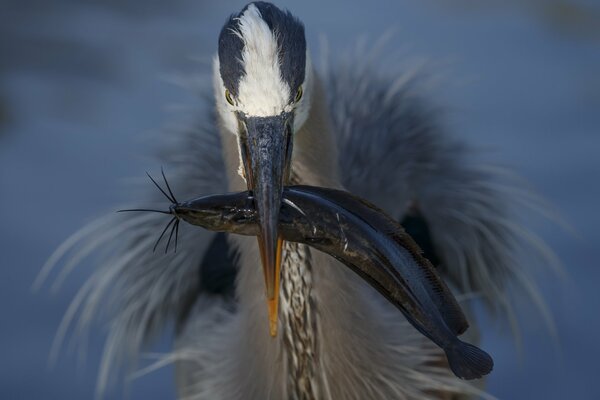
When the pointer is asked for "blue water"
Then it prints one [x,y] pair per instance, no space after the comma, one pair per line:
[86,88]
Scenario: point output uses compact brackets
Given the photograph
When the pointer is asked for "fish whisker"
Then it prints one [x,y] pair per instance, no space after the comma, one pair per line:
[145,210]
[163,233]
[172,200]
[170,236]
[176,233]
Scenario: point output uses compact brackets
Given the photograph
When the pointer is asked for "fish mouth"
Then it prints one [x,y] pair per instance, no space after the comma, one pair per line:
[265,145]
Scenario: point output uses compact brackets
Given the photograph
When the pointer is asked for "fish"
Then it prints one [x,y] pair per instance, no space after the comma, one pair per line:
[366,240]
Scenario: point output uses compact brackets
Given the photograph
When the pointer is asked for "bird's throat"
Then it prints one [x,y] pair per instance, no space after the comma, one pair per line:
[299,323]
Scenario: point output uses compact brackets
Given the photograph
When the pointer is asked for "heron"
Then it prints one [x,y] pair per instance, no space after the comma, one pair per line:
[277,120]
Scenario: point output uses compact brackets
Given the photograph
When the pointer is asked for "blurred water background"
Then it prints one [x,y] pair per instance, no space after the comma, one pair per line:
[87,86]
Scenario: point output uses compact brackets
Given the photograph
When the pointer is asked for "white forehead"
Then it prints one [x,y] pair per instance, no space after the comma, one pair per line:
[262,90]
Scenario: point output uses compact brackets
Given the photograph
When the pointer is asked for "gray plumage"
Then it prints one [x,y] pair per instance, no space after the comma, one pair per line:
[388,145]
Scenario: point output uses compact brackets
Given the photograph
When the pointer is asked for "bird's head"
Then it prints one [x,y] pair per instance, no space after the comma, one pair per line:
[262,89]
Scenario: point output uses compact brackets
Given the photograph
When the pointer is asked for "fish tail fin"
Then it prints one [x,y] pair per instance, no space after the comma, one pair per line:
[468,361]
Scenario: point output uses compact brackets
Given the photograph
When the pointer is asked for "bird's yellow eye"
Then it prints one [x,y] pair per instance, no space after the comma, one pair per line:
[298,94]
[228,97]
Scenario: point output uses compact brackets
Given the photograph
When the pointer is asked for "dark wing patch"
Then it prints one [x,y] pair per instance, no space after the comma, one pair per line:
[218,268]
[415,225]
[217,274]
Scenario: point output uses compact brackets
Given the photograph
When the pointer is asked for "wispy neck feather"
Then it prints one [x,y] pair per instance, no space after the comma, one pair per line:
[315,156]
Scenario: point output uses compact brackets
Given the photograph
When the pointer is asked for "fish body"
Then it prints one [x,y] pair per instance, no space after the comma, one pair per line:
[370,243]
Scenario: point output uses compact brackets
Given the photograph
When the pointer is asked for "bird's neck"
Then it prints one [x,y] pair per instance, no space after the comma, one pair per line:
[315,157]
[295,352]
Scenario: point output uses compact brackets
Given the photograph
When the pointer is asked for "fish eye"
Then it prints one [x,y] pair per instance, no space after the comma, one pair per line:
[298,94]
[228,97]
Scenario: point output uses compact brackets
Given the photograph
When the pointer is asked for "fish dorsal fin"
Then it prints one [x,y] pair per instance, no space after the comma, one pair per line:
[440,293]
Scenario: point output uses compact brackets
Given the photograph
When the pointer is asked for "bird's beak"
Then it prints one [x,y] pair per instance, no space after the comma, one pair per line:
[266,148]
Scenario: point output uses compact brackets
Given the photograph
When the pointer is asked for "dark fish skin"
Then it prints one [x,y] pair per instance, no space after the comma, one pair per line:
[370,243]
